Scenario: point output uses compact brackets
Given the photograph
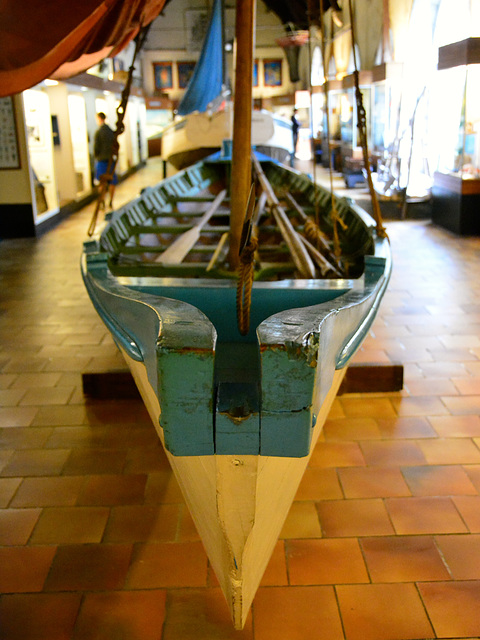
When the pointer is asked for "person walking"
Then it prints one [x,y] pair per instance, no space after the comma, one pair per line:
[102,150]
[295,128]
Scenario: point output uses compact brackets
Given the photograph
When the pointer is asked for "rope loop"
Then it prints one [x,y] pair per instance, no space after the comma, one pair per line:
[244,285]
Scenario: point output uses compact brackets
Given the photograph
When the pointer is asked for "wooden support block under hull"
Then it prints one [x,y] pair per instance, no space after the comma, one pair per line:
[359,378]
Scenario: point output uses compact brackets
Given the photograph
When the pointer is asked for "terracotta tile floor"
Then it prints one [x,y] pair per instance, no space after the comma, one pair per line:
[383,539]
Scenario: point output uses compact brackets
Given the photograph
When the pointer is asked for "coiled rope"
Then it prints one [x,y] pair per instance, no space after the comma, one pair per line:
[245,284]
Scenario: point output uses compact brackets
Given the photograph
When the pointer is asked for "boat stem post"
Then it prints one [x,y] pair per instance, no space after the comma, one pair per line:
[242,124]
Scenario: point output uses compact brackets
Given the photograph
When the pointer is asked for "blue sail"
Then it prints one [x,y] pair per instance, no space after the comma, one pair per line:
[207,78]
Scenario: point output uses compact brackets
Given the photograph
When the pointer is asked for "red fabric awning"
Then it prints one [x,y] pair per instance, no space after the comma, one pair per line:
[61,38]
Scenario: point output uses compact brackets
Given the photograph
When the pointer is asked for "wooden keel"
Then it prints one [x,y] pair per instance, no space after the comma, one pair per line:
[239,503]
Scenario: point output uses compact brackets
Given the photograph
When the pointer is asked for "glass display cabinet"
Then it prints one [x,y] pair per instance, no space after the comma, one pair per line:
[456,138]
[352,154]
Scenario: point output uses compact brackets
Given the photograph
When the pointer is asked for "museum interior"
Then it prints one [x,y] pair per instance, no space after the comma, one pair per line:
[99,538]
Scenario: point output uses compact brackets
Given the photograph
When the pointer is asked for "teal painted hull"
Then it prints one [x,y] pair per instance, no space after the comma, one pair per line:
[220,392]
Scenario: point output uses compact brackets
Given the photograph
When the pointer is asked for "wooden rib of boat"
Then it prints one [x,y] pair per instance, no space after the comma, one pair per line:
[238,415]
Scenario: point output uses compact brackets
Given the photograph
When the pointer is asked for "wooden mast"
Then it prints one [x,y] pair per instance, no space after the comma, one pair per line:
[242,124]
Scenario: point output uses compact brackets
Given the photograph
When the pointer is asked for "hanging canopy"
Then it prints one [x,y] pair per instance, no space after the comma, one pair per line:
[207,78]
[61,38]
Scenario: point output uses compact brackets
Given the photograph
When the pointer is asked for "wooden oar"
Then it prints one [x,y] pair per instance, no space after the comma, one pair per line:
[220,252]
[323,264]
[177,251]
[300,255]
[321,237]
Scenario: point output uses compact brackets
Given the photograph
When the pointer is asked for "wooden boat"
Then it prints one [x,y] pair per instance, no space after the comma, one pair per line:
[238,357]
[238,415]
[196,135]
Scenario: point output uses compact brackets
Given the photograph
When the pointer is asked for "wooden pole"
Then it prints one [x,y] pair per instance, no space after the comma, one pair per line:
[242,124]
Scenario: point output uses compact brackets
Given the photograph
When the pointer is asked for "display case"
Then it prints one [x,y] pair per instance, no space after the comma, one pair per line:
[331,138]
[456,135]
[352,155]
[386,102]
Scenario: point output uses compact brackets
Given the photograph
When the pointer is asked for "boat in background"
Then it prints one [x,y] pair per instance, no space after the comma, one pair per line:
[194,136]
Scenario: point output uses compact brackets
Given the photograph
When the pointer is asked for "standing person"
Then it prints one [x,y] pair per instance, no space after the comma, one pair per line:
[102,150]
[295,128]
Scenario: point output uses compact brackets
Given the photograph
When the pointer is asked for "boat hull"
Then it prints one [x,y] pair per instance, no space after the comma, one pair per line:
[197,135]
[239,503]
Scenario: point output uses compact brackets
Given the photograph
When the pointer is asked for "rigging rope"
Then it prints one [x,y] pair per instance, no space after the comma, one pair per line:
[245,284]
[362,130]
[335,217]
[106,178]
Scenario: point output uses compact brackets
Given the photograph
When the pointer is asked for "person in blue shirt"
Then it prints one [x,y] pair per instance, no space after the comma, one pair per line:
[102,150]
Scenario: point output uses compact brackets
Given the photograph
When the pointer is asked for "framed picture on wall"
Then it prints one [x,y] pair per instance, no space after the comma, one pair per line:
[9,155]
[255,73]
[272,73]
[163,72]
[185,70]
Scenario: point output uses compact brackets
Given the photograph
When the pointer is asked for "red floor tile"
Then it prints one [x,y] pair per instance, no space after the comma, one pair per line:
[393,453]
[378,612]
[104,490]
[327,561]
[95,461]
[16,525]
[456,426]
[201,614]
[297,614]
[345,429]
[367,407]
[469,509]
[462,555]
[453,608]
[276,571]
[319,484]
[48,492]
[89,567]
[159,565]
[372,482]
[403,559]
[126,615]
[450,451]
[70,525]
[413,427]
[420,406]
[162,488]
[424,515]
[24,569]
[143,523]
[473,472]
[39,616]
[333,454]
[187,531]
[36,462]
[24,437]
[349,518]
[302,522]
[446,480]
[8,488]
[464,405]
